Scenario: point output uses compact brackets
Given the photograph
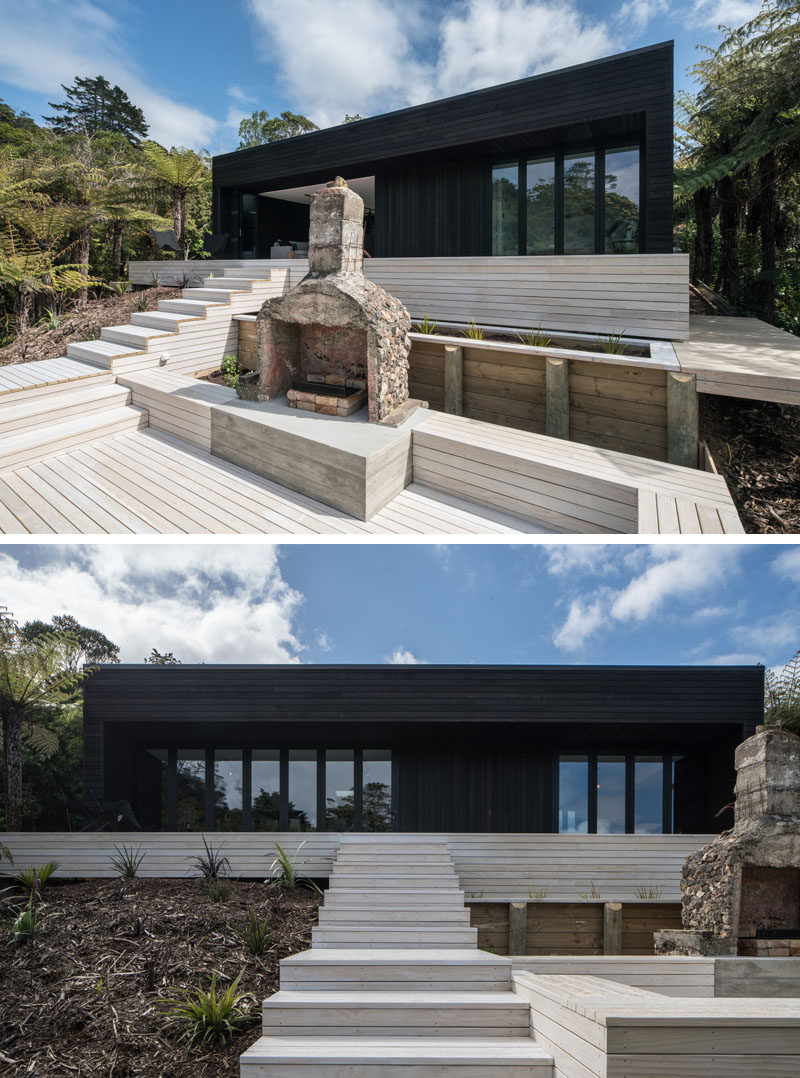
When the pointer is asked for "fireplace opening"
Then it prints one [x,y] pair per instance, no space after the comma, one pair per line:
[769,902]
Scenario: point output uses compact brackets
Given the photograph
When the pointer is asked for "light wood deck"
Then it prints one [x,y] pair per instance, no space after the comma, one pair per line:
[742,357]
[149,482]
[15,377]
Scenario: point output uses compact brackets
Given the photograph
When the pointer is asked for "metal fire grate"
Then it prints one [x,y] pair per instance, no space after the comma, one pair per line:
[322,389]
[778,933]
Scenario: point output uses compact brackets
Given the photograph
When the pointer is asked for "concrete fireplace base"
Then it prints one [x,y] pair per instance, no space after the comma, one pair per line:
[343,461]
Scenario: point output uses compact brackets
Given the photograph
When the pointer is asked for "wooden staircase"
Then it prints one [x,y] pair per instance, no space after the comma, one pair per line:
[394,984]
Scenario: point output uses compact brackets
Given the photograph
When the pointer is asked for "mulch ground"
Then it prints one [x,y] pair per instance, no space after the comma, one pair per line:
[84,324]
[756,447]
[82,1000]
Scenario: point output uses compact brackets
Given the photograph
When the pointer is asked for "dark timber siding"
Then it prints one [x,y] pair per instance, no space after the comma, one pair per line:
[432,161]
[473,747]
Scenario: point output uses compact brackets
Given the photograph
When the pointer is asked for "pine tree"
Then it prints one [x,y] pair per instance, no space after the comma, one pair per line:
[95,105]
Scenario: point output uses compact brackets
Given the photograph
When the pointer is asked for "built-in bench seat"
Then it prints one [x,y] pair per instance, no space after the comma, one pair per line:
[575,487]
[177,403]
[596,1028]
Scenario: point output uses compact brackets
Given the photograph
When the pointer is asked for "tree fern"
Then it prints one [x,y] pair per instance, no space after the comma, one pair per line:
[782,695]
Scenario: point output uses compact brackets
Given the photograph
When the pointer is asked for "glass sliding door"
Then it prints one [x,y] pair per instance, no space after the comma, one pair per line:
[610,795]
[648,795]
[302,791]
[265,784]
[190,789]
[227,789]
[339,789]
[573,794]
[579,215]
[540,206]
[621,224]
[505,209]
[376,790]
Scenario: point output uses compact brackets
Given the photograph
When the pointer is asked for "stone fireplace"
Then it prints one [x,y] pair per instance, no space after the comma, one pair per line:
[741,893]
[336,341]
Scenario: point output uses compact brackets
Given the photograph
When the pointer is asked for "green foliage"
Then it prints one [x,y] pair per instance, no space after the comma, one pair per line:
[535,338]
[230,371]
[593,894]
[207,1016]
[261,128]
[51,318]
[33,879]
[255,934]
[5,852]
[647,892]
[211,865]
[474,332]
[219,890]
[352,118]
[426,325]
[782,695]
[93,105]
[28,923]
[285,870]
[162,658]
[611,343]
[126,861]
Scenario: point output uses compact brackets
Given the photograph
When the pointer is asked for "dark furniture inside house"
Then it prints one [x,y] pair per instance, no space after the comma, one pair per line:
[577,161]
[610,750]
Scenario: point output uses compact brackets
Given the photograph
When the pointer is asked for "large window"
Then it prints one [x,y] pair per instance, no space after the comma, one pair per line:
[505,209]
[568,203]
[340,801]
[377,790]
[190,789]
[265,784]
[610,794]
[228,790]
[302,789]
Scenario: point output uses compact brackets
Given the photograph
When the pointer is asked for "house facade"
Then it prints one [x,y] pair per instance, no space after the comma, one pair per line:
[575,750]
[576,161]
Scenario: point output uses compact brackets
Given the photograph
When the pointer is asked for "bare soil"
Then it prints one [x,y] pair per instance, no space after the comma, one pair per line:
[756,446]
[81,324]
[83,999]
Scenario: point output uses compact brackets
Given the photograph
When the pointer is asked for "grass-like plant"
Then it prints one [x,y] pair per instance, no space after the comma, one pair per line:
[537,894]
[611,343]
[425,326]
[27,924]
[474,331]
[255,934]
[219,890]
[119,288]
[284,870]
[592,893]
[51,318]
[208,1016]
[126,861]
[5,852]
[645,891]
[33,879]
[211,864]
[141,302]
[535,338]
[230,371]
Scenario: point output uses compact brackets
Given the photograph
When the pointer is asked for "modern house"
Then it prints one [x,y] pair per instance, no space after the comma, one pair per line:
[583,749]
[577,161]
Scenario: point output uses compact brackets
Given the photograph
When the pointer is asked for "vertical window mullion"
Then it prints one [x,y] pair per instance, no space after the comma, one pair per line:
[283,823]
[358,790]
[558,200]
[172,789]
[247,789]
[591,825]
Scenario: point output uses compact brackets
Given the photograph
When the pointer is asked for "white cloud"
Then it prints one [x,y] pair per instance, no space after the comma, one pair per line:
[404,657]
[714,13]
[779,631]
[44,44]
[206,603]
[638,13]
[584,619]
[734,658]
[573,559]
[484,42]
[787,564]
[323,640]
[674,572]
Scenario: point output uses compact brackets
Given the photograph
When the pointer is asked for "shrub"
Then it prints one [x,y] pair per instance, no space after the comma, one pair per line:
[33,879]
[207,1016]
[5,852]
[211,864]
[230,371]
[142,302]
[27,924]
[255,933]
[126,861]
[284,870]
[219,890]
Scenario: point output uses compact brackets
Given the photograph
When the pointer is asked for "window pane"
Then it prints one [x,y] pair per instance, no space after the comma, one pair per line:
[249,225]
[540,190]
[266,785]
[648,798]
[579,204]
[303,790]
[611,795]
[339,790]
[227,790]
[153,804]
[505,209]
[622,201]
[573,794]
[377,790]
[191,781]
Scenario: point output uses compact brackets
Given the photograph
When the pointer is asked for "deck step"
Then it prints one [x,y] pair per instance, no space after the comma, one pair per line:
[340,914]
[44,410]
[396,969]
[385,935]
[166,321]
[137,337]
[45,376]
[34,444]
[209,295]
[101,352]
[230,284]
[379,1057]
[396,1014]
[187,308]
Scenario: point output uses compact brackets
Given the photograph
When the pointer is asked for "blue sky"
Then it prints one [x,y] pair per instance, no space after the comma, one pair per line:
[548,603]
[197,68]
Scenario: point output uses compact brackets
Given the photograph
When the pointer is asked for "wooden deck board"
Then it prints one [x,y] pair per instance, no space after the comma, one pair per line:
[16,377]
